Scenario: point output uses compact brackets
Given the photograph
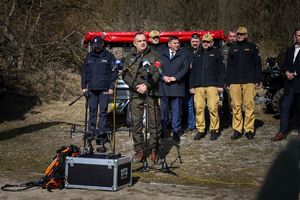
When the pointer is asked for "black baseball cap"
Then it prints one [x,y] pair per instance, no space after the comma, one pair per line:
[97,41]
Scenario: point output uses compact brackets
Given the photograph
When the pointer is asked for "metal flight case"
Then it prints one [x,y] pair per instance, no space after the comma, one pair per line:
[98,171]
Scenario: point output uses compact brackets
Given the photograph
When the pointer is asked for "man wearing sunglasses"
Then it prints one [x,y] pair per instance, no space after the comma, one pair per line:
[243,75]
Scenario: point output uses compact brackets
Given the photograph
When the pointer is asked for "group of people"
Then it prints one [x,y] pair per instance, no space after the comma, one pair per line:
[165,78]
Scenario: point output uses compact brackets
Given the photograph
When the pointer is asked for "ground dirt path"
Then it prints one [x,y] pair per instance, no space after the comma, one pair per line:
[221,169]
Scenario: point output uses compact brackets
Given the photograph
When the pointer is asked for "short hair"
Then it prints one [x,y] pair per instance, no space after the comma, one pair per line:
[296,29]
[138,33]
[233,30]
[173,38]
[195,36]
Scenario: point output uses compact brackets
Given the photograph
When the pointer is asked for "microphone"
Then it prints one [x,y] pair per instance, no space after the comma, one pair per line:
[118,64]
[157,65]
[146,64]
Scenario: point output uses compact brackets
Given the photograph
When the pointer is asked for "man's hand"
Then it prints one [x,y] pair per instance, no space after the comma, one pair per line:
[172,79]
[289,75]
[84,90]
[192,90]
[110,92]
[141,88]
[166,79]
[220,90]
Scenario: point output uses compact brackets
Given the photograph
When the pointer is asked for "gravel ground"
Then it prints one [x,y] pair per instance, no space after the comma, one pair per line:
[221,169]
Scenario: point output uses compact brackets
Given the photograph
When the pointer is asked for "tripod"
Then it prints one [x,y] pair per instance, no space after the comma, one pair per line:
[91,134]
[164,165]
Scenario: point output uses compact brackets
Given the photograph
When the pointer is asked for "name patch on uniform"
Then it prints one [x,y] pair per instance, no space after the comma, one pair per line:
[212,54]
[104,61]
[235,50]
[247,49]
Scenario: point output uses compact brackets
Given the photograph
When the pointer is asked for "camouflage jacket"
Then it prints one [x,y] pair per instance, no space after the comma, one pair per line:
[134,73]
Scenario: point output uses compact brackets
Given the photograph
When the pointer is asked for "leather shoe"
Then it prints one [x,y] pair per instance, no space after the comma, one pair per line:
[200,135]
[249,135]
[176,137]
[278,136]
[236,135]
[214,135]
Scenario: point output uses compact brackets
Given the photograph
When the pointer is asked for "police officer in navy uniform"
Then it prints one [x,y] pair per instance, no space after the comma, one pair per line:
[97,79]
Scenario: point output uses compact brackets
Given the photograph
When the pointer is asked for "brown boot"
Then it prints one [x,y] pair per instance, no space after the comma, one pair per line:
[154,155]
[138,156]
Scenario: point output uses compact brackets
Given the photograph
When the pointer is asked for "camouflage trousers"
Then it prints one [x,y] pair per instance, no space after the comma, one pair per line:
[142,109]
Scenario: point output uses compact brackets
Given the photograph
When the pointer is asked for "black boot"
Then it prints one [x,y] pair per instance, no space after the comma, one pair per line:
[200,135]
[236,135]
[214,135]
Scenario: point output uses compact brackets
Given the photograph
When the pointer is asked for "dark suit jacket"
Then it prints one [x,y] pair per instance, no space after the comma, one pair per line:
[178,66]
[288,65]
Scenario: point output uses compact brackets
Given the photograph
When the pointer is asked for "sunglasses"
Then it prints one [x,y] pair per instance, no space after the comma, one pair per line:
[205,41]
[241,34]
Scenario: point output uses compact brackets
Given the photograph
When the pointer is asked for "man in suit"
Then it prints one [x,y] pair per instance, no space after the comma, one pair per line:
[175,65]
[291,72]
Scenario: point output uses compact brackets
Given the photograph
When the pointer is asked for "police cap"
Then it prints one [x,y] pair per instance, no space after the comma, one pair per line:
[97,41]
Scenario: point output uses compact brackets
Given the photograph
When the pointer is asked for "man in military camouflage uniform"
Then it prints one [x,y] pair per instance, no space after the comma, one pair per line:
[242,77]
[142,77]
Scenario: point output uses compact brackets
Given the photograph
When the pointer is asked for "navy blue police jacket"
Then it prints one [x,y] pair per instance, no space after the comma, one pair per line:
[99,71]
[177,67]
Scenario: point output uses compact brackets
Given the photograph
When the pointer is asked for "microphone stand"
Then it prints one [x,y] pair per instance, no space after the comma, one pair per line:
[164,165]
[145,163]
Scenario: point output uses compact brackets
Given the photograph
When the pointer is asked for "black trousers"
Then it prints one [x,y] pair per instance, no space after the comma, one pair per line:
[286,104]
[98,100]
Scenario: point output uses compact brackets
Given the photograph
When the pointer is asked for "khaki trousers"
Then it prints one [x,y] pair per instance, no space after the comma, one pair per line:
[242,94]
[211,96]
